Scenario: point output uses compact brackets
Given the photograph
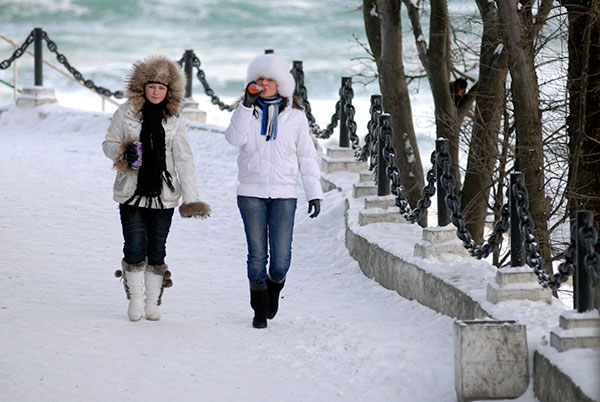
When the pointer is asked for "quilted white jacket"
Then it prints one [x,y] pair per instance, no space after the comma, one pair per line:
[124,128]
[269,169]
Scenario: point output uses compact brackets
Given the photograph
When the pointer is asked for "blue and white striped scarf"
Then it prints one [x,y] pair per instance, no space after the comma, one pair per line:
[270,108]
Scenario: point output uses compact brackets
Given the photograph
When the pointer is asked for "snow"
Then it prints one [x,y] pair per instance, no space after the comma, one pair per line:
[339,336]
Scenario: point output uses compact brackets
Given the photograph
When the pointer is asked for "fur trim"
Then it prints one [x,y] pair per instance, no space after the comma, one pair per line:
[140,266]
[157,269]
[120,162]
[273,67]
[198,209]
[158,69]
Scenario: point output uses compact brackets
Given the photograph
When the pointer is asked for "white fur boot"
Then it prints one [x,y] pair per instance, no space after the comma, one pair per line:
[155,275]
[134,281]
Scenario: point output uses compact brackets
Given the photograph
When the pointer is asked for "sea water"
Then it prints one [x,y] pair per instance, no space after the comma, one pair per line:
[103,38]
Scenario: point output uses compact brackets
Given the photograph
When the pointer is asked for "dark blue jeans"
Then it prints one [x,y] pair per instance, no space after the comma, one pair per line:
[145,233]
[269,224]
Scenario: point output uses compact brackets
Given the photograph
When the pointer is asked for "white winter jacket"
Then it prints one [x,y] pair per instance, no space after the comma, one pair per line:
[269,169]
[125,128]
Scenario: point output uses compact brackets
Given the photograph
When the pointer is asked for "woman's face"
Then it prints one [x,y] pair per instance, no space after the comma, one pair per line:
[155,93]
[269,86]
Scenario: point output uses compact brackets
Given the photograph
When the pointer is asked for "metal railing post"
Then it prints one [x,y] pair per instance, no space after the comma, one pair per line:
[582,282]
[383,181]
[375,110]
[297,72]
[516,237]
[344,139]
[38,57]
[442,145]
[188,70]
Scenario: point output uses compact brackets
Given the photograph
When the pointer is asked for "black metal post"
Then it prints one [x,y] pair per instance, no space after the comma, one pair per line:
[188,69]
[268,51]
[298,74]
[516,237]
[383,181]
[344,138]
[582,282]
[375,109]
[37,57]
[442,145]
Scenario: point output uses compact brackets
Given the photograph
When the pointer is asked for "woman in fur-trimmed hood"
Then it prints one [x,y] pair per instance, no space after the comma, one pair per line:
[147,142]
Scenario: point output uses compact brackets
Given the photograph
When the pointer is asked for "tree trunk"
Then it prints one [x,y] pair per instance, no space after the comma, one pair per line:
[396,100]
[436,61]
[529,151]
[489,106]
[583,122]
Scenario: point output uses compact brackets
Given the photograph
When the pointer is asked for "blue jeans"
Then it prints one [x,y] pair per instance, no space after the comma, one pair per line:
[145,233]
[269,224]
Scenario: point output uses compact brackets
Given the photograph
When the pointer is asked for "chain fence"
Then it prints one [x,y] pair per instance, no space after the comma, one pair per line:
[380,130]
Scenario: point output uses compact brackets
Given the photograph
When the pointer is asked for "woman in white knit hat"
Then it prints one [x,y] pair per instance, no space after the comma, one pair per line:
[148,194]
[271,130]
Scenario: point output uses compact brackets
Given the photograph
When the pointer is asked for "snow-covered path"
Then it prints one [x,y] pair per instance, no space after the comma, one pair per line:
[63,323]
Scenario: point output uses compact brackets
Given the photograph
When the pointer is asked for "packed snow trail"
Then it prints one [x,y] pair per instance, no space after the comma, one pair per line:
[65,333]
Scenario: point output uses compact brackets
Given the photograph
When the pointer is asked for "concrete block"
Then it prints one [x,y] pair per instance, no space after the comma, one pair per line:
[363,189]
[366,175]
[330,165]
[490,360]
[31,97]
[384,201]
[551,384]
[340,152]
[191,112]
[439,241]
[375,215]
[517,283]
[576,331]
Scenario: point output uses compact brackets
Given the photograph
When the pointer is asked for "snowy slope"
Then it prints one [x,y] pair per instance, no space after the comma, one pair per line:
[65,333]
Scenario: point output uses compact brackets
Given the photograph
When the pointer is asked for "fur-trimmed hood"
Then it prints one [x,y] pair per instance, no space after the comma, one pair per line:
[157,69]
[273,67]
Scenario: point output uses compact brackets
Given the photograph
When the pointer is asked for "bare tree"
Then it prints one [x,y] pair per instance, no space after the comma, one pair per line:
[583,122]
[435,59]
[384,32]
[489,107]
[521,27]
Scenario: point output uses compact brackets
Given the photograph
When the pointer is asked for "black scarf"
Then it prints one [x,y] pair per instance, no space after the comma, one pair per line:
[154,164]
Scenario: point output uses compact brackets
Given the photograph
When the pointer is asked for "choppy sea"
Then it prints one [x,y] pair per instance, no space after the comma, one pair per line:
[102,38]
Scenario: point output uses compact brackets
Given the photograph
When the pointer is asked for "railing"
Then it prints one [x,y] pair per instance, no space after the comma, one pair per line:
[581,257]
[22,49]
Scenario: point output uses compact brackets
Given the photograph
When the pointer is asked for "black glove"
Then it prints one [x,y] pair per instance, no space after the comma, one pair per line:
[131,154]
[314,205]
[250,98]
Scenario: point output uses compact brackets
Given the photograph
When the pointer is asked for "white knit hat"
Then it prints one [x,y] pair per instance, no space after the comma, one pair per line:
[273,67]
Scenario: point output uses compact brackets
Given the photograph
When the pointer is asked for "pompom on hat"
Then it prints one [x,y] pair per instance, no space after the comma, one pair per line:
[273,67]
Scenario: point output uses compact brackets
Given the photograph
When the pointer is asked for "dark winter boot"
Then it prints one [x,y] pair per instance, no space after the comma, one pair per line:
[259,301]
[274,289]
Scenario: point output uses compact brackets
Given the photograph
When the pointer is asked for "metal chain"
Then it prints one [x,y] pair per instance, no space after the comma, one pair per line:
[214,99]
[347,94]
[298,74]
[448,182]
[76,74]
[531,245]
[316,130]
[591,261]
[392,172]
[18,52]
[375,110]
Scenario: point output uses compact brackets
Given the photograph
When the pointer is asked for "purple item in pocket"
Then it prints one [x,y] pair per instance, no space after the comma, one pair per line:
[138,163]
